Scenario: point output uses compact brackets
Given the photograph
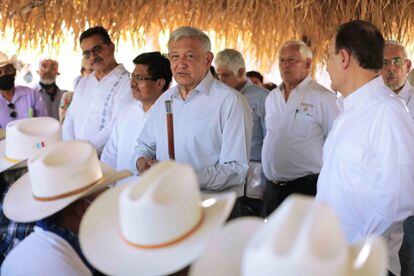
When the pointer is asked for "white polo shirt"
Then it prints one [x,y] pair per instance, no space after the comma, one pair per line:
[120,147]
[407,96]
[44,253]
[367,175]
[296,130]
[95,106]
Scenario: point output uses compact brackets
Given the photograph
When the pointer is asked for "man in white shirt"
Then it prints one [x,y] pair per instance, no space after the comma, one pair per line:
[231,70]
[99,97]
[212,122]
[368,158]
[150,78]
[395,72]
[299,116]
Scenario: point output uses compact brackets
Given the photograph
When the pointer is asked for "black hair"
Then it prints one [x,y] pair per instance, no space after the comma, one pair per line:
[97,30]
[158,66]
[255,74]
[364,41]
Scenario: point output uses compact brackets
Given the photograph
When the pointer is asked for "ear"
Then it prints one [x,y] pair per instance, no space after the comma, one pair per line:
[241,73]
[210,58]
[345,58]
[160,84]
[308,63]
[408,65]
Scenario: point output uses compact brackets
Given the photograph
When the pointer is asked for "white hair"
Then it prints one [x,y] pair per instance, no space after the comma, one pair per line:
[190,32]
[230,59]
[304,50]
[398,44]
[47,58]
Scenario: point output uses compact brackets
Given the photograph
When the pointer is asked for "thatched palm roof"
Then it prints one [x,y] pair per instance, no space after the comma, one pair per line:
[261,25]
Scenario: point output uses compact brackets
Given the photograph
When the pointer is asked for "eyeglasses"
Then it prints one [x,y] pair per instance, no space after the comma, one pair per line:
[13,112]
[96,50]
[397,61]
[140,80]
[7,70]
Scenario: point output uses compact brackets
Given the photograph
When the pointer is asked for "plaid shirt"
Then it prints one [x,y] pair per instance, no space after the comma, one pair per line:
[11,233]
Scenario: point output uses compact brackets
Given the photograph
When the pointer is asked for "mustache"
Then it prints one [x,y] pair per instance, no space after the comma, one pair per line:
[97,59]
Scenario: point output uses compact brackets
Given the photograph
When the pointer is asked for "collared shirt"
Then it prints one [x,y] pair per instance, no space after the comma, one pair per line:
[296,130]
[28,103]
[407,95]
[212,132]
[44,253]
[256,97]
[367,175]
[119,149]
[95,106]
[51,106]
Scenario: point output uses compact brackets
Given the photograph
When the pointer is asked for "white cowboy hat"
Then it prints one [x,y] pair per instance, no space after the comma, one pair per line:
[58,175]
[304,237]
[4,59]
[25,137]
[224,254]
[156,225]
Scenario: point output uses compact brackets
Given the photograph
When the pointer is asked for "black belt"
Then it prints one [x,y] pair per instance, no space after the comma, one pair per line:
[297,181]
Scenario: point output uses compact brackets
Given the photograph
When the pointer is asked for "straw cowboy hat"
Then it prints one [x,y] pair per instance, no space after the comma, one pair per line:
[155,225]
[26,137]
[302,237]
[58,175]
[4,59]
[223,255]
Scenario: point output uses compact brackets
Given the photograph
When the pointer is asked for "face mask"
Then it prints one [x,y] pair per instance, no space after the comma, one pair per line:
[6,82]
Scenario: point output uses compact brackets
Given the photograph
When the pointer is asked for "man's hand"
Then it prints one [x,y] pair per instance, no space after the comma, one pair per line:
[144,163]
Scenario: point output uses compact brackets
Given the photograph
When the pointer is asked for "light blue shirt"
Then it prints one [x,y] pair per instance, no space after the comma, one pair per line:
[256,97]
[212,132]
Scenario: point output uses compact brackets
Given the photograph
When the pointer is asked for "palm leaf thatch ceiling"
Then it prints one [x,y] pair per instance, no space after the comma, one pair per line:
[261,25]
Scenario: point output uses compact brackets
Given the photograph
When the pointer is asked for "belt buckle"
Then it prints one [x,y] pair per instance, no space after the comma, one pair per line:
[279,183]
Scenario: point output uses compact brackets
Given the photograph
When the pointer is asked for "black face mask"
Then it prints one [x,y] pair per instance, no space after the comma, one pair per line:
[6,82]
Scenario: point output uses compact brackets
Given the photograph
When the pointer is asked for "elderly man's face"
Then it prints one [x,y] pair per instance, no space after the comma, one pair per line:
[48,71]
[396,67]
[228,77]
[293,67]
[97,54]
[189,62]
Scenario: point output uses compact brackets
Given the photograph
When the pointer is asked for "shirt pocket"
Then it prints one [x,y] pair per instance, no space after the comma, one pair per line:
[301,124]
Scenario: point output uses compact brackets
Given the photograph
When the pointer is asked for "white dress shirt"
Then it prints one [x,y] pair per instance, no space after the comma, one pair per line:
[367,174]
[296,130]
[119,149]
[43,253]
[95,106]
[212,132]
[407,95]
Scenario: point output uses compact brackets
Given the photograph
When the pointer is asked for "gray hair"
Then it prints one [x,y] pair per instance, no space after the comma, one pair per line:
[304,50]
[230,59]
[398,44]
[190,32]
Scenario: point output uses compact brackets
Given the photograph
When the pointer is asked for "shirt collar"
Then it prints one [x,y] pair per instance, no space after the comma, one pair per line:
[303,84]
[405,91]
[118,71]
[357,97]
[203,87]
[246,86]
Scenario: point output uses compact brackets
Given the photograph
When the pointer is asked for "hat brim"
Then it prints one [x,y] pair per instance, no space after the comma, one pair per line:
[225,251]
[19,204]
[6,164]
[103,246]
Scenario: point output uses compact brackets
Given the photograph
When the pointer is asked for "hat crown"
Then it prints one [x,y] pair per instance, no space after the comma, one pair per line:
[26,136]
[162,206]
[302,237]
[4,59]
[64,168]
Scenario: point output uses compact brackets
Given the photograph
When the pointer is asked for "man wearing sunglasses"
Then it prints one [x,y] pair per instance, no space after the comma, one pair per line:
[395,71]
[16,102]
[99,97]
